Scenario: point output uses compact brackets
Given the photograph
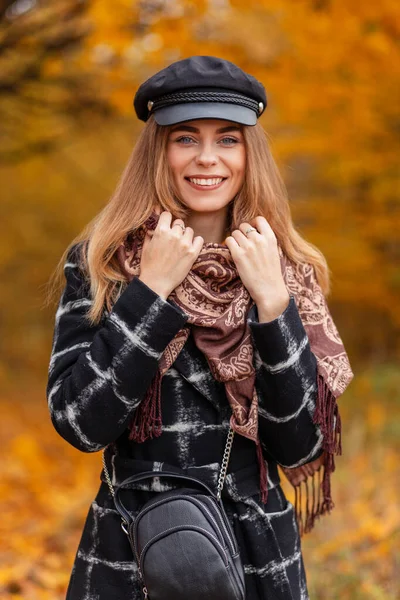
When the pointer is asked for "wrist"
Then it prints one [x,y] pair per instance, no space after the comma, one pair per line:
[155,286]
[268,311]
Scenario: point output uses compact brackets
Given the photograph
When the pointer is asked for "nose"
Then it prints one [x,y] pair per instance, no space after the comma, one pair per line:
[206,155]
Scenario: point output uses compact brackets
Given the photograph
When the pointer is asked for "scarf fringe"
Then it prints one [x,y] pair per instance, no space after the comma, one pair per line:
[327,416]
[147,422]
[313,496]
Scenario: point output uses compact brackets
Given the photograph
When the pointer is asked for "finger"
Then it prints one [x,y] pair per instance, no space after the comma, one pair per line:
[178,220]
[188,234]
[232,244]
[164,222]
[147,238]
[149,234]
[245,226]
[198,244]
[179,225]
[240,238]
[263,226]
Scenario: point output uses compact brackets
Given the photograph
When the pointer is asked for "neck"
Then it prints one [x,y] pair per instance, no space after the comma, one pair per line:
[211,226]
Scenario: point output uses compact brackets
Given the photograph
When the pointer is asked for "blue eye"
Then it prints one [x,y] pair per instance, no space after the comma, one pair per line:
[184,137]
[230,139]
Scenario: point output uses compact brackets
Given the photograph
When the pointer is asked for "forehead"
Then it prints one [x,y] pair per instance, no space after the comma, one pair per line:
[200,125]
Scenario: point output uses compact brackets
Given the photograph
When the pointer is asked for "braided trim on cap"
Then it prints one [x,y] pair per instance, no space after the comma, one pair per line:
[182,97]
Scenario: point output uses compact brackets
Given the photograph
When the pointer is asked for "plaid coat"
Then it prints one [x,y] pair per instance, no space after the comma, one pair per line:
[97,378]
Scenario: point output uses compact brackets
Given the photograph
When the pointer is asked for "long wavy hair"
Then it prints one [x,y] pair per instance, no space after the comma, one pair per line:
[147,182]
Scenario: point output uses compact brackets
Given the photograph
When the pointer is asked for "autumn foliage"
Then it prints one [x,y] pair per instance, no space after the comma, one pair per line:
[68,73]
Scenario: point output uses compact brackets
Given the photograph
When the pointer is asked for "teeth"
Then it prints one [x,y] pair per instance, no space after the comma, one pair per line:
[206,181]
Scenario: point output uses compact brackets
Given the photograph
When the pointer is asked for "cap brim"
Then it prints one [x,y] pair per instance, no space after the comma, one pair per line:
[177,113]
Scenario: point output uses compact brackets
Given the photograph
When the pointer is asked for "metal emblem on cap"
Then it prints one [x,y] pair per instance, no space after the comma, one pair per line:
[150,105]
[260,107]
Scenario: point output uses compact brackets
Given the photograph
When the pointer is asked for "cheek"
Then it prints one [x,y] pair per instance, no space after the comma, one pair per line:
[238,165]
[176,160]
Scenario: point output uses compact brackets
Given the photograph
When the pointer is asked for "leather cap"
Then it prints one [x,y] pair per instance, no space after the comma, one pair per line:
[201,87]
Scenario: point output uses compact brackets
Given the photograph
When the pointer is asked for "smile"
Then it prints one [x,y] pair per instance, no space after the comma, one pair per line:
[205,184]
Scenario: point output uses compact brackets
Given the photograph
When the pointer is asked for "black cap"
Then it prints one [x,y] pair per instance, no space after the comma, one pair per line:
[201,87]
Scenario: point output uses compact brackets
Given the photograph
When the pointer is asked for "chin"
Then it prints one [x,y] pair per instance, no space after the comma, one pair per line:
[204,204]
[206,207]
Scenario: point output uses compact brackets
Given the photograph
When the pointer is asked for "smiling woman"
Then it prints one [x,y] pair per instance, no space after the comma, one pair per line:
[193,340]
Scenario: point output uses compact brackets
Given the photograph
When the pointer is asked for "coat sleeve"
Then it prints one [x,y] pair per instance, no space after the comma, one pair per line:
[286,384]
[99,374]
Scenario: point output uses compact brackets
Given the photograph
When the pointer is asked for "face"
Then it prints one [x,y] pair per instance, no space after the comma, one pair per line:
[207,158]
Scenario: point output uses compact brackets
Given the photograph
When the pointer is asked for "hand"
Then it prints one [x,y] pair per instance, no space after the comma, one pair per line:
[168,254]
[258,263]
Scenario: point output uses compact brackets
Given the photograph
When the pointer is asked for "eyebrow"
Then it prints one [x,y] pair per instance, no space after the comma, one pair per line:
[195,130]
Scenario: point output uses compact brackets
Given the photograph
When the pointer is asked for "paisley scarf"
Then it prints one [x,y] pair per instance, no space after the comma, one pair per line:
[217,304]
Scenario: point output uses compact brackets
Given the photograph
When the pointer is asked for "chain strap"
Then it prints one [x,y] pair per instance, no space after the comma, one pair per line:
[225,462]
[222,473]
[106,473]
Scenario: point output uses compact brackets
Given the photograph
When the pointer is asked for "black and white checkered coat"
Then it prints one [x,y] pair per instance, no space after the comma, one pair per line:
[97,378]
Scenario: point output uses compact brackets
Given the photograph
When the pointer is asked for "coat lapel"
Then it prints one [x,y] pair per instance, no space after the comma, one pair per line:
[193,366]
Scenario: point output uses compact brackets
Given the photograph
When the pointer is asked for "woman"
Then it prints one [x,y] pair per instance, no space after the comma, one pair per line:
[192,305]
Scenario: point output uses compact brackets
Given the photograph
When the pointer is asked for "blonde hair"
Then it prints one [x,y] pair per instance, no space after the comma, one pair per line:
[147,182]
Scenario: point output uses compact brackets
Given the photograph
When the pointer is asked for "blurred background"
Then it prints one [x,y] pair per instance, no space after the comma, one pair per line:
[68,73]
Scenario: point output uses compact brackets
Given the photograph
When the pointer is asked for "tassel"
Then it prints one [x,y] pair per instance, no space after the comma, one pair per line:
[310,499]
[319,487]
[312,486]
[305,507]
[147,422]
[263,474]
[313,498]
[328,418]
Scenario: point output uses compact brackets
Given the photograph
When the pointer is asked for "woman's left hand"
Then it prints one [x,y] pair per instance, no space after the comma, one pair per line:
[258,263]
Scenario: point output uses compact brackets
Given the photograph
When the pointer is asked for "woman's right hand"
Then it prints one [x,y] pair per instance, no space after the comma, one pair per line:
[168,254]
